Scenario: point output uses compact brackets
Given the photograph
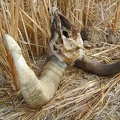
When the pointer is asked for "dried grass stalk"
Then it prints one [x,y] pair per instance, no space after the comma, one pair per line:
[32,32]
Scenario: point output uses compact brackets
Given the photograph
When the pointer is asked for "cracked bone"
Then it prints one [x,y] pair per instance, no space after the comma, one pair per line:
[70,50]
[66,42]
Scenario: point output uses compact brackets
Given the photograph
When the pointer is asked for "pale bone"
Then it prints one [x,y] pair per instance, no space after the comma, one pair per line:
[66,48]
[70,50]
[67,45]
[36,92]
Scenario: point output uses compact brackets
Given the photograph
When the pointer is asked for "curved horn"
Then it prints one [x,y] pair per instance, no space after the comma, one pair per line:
[97,68]
[67,45]
[36,92]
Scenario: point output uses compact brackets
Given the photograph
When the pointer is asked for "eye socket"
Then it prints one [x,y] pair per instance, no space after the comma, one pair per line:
[65,34]
[54,48]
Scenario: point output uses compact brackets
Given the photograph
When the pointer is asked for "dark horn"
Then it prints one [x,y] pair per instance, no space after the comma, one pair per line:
[94,67]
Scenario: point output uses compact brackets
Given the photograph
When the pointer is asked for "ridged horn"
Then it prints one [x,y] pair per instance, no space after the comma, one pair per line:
[36,92]
[97,68]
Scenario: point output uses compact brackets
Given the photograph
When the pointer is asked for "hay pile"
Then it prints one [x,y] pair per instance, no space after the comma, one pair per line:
[81,95]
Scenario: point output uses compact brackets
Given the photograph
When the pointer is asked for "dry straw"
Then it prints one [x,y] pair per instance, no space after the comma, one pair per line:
[80,94]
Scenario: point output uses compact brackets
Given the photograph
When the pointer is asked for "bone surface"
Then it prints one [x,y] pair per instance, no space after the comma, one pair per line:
[66,42]
[36,92]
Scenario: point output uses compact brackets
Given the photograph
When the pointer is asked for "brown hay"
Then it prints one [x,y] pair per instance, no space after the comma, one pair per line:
[80,95]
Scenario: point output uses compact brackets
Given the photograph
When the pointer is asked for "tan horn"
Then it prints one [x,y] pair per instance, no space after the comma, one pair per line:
[36,92]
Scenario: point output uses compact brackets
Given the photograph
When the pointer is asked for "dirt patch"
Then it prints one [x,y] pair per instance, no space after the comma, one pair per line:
[111,107]
[94,37]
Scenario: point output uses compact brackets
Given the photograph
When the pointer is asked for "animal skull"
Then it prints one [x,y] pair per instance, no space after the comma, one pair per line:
[66,42]
[67,45]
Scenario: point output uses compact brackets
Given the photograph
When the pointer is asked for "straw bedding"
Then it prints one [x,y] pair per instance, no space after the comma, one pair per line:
[80,95]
